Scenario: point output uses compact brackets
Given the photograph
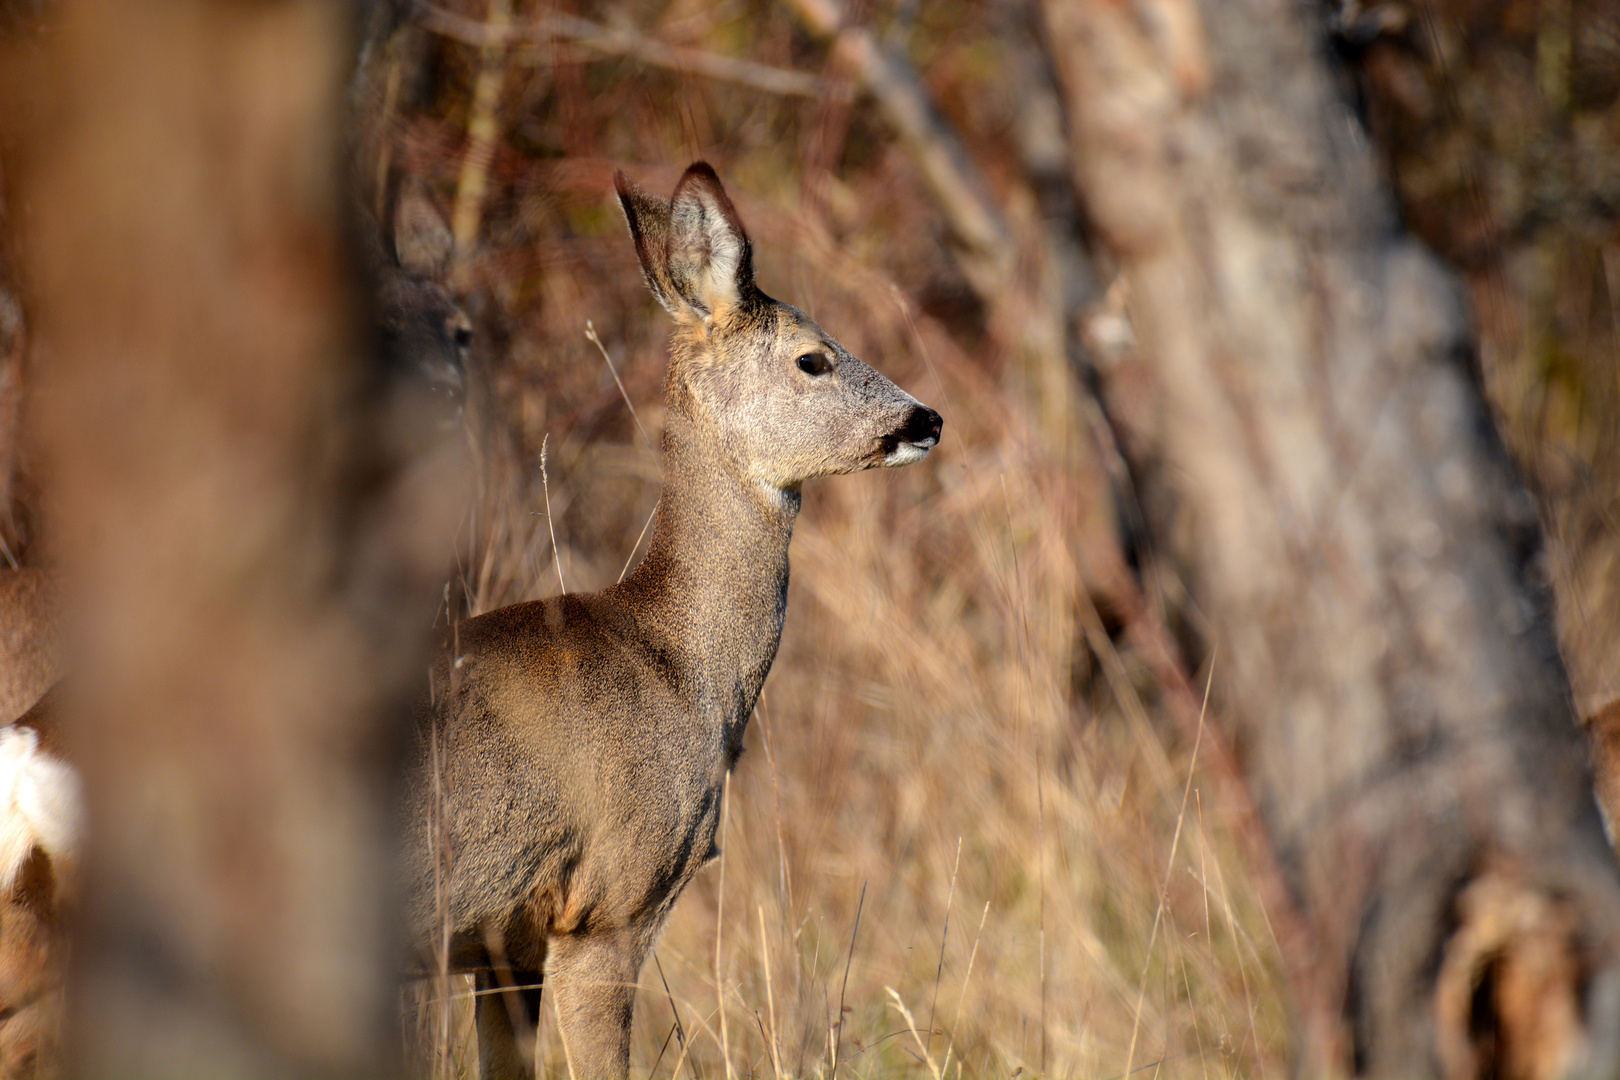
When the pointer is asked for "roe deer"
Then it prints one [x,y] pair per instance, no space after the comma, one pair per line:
[423,333]
[568,781]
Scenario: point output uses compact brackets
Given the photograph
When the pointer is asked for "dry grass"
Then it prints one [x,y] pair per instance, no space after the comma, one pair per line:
[1041,878]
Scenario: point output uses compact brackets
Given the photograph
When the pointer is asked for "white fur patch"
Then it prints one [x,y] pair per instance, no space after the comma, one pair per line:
[40,804]
[725,252]
[906,453]
[711,250]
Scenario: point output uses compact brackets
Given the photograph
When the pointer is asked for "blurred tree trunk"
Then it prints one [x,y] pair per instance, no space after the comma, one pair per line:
[1362,565]
[1500,125]
[220,507]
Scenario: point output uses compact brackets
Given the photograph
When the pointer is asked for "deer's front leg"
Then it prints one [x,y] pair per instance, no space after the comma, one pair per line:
[595,981]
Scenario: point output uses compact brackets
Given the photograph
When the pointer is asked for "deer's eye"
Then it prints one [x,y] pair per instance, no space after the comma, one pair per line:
[462,335]
[815,363]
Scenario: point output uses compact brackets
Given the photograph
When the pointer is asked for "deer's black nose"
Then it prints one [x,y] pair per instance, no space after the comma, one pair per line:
[922,426]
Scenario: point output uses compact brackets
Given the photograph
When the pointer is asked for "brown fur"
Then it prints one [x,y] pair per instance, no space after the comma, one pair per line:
[1603,737]
[31,961]
[32,911]
[30,652]
[568,785]
[424,334]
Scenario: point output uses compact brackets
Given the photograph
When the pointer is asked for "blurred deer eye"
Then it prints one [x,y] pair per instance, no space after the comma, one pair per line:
[815,363]
[462,336]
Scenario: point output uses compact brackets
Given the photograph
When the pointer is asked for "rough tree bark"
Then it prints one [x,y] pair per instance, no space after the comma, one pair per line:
[1363,565]
[245,567]
[1500,127]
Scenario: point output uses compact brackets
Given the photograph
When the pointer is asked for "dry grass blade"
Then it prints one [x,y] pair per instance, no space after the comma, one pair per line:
[843,990]
[962,1000]
[911,1026]
[719,926]
[1158,912]
[562,1037]
[925,667]
[939,969]
[680,1031]
[771,1040]
[591,336]
[1040,770]
[635,547]
[545,483]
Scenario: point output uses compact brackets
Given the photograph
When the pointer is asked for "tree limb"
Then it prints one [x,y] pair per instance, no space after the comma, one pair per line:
[620,41]
[948,169]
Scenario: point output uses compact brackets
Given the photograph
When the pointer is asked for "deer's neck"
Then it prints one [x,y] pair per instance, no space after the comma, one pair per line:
[714,582]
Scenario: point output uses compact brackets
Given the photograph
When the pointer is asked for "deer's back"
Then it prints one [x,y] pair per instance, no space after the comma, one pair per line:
[575,770]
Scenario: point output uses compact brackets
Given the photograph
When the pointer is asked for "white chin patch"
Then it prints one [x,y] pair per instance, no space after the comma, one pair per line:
[905,454]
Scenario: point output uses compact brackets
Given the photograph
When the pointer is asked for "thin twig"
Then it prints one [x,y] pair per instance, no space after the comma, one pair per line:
[621,41]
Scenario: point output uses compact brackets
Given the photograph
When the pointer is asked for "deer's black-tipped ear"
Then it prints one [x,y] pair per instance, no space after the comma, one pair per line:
[711,262]
[421,237]
[648,218]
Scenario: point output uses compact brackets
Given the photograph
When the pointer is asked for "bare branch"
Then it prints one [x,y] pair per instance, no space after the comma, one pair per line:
[946,165]
[621,41]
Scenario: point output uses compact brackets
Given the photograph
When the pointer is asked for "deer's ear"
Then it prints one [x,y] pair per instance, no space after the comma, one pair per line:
[710,260]
[648,218]
[422,240]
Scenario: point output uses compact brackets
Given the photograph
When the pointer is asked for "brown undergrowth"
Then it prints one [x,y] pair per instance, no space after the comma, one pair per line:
[963,836]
